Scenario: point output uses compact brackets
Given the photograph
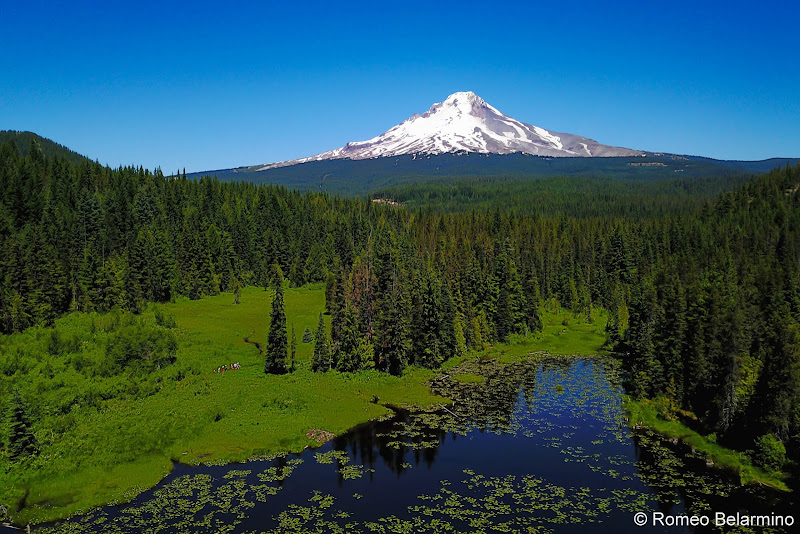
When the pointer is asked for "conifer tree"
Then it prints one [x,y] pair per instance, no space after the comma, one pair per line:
[322,359]
[237,291]
[276,339]
[393,332]
[348,357]
[330,290]
[338,304]
[308,337]
[645,369]
[780,389]
[459,336]
[428,322]
[532,319]
[21,440]
[447,323]
[293,350]
[392,339]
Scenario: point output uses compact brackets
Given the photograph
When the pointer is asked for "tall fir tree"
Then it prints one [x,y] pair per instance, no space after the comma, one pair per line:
[22,442]
[275,362]
[392,313]
[292,351]
[348,357]
[322,357]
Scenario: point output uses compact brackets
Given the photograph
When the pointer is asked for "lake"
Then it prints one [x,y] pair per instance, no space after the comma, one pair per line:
[540,446]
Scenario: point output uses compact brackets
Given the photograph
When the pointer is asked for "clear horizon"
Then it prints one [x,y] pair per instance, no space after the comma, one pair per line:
[192,86]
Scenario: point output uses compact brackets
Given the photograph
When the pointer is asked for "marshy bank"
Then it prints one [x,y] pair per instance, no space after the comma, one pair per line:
[540,444]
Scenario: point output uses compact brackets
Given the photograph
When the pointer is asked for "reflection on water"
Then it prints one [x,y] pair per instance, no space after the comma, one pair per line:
[535,447]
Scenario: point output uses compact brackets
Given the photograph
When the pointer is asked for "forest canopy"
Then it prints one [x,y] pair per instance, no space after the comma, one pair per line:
[704,302]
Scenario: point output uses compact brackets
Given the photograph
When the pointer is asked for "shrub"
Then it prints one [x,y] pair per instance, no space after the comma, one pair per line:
[308,337]
[164,319]
[770,452]
[140,347]
[362,357]
[54,343]
[665,408]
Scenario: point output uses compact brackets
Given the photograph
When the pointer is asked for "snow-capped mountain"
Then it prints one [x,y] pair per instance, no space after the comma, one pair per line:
[465,122]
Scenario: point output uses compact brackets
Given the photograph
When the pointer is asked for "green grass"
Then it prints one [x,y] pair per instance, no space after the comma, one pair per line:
[643,412]
[107,438]
[562,334]
[110,441]
[114,441]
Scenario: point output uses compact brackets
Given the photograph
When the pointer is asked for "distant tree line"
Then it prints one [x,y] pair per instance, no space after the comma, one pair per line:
[595,195]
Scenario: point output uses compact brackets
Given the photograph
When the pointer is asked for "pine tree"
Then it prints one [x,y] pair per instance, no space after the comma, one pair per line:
[503,317]
[21,440]
[237,290]
[447,323]
[348,356]
[781,378]
[460,326]
[392,339]
[428,322]
[393,336]
[458,335]
[308,337]
[330,290]
[337,306]
[87,276]
[276,340]
[670,335]
[322,359]
[645,370]
[293,350]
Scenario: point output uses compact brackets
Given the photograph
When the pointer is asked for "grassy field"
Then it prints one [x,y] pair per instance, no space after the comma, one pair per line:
[105,438]
[111,449]
[562,333]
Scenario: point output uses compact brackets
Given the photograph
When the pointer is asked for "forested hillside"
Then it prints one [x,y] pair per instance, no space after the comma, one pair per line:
[704,307]
[713,314]
[363,177]
[49,148]
[572,196]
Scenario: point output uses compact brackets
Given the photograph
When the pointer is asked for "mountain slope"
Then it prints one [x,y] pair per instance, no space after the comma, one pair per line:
[49,148]
[465,122]
[362,177]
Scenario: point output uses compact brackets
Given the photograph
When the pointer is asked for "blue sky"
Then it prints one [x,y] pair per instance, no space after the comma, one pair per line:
[207,85]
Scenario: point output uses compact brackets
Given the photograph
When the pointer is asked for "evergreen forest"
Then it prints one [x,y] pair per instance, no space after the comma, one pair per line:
[700,280]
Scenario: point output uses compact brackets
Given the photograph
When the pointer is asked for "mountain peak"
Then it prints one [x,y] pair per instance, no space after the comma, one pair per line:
[464,122]
[464,100]
[463,96]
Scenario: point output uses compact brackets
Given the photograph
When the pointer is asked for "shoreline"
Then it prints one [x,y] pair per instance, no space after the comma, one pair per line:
[393,409]
[269,414]
[719,457]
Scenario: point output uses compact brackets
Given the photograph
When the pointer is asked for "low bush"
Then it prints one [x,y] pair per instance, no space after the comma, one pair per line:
[770,452]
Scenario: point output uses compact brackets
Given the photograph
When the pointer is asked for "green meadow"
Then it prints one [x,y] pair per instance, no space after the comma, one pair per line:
[563,333]
[106,437]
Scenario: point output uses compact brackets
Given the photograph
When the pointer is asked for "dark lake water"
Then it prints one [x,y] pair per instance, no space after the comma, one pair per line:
[536,447]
